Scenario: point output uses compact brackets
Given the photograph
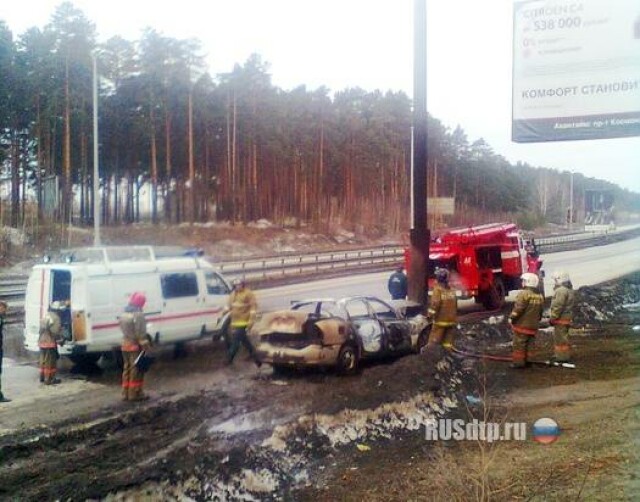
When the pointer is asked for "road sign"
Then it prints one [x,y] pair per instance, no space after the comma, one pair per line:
[441,205]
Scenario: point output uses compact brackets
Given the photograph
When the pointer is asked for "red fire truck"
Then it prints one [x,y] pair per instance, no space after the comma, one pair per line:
[485,262]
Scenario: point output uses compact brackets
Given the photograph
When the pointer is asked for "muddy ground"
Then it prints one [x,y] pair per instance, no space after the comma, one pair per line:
[244,434]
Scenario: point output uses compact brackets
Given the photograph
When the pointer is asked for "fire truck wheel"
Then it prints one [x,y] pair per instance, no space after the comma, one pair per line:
[493,299]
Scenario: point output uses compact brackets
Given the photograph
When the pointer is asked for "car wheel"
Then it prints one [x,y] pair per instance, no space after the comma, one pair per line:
[347,360]
[281,370]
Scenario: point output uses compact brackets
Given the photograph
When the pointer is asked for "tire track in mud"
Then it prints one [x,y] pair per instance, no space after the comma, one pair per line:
[257,441]
[76,461]
[268,463]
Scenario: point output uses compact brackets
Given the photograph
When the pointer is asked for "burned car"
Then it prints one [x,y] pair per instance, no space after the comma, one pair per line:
[338,333]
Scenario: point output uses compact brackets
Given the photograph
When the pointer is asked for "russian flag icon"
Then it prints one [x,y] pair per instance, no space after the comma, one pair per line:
[545,430]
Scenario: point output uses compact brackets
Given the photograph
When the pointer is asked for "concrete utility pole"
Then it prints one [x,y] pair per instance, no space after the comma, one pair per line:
[419,235]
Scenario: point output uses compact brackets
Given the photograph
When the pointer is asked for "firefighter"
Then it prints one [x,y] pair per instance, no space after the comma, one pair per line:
[443,310]
[243,307]
[561,315]
[135,340]
[397,284]
[50,336]
[3,312]
[525,318]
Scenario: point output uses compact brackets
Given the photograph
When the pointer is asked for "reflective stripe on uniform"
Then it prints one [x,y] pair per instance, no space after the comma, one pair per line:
[524,331]
[130,347]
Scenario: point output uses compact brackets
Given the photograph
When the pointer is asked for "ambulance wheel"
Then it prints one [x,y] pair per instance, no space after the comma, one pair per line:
[85,359]
[116,356]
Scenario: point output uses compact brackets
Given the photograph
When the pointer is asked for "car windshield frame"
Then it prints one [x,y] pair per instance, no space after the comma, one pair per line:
[322,309]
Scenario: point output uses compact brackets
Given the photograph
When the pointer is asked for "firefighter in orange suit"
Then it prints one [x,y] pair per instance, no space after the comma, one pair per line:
[50,331]
[135,340]
[525,318]
[443,311]
[242,306]
[561,315]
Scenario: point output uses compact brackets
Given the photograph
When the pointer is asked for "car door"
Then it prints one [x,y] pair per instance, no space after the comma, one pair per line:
[367,327]
[395,330]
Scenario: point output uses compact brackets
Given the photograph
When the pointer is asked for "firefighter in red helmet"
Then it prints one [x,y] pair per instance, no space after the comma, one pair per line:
[135,340]
[48,340]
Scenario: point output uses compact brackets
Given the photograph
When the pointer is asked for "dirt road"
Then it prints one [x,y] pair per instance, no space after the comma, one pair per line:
[212,432]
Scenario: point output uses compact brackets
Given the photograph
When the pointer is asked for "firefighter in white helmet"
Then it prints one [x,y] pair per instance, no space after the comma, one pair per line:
[525,318]
[561,316]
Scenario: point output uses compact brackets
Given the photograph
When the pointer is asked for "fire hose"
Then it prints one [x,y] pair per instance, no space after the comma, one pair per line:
[509,359]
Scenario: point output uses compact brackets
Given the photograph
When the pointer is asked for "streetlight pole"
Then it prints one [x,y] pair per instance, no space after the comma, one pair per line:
[96,179]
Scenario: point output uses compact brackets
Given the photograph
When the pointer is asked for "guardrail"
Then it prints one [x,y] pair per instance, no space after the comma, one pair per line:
[272,269]
[283,266]
[597,237]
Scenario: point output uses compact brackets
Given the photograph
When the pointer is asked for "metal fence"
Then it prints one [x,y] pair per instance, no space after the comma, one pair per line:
[301,267]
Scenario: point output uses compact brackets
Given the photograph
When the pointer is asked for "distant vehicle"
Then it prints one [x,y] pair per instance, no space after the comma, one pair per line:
[485,262]
[185,297]
[337,333]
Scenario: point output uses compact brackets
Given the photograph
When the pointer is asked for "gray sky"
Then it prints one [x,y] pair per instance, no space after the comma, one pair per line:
[365,43]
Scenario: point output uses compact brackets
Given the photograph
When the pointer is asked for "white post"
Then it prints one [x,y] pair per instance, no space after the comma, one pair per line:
[96,179]
[571,203]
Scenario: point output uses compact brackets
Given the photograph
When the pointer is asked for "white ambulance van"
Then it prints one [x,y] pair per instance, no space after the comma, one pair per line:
[185,297]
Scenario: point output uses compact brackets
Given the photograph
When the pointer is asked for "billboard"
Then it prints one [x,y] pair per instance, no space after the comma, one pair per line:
[576,70]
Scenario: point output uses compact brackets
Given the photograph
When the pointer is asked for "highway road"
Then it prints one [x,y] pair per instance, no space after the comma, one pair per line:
[585,266]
